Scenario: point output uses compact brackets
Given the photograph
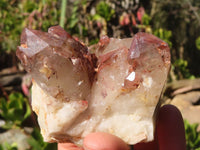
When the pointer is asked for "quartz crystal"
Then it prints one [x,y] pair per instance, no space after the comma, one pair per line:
[113,86]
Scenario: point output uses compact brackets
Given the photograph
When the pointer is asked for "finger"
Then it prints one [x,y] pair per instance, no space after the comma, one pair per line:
[170,129]
[103,141]
[68,146]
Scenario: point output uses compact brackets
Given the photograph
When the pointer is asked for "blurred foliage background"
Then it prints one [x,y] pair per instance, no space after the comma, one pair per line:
[176,22]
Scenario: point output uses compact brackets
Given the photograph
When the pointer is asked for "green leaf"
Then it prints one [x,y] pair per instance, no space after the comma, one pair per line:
[12,115]
[1,147]
[73,22]
[192,136]
[15,110]
[36,141]
[35,145]
[97,17]
[51,146]
[28,109]
[197,141]
[198,43]
[146,19]
[6,146]
[104,10]
[37,135]
[3,107]
[94,41]
[15,95]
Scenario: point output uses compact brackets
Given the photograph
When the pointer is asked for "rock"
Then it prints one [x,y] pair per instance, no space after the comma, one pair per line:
[184,102]
[11,79]
[15,136]
[183,86]
[191,114]
[191,97]
[72,100]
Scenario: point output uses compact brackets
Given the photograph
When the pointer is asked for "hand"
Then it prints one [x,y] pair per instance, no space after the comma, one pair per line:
[169,135]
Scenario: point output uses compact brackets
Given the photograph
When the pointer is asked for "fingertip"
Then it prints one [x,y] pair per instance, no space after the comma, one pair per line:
[103,141]
[170,109]
[170,129]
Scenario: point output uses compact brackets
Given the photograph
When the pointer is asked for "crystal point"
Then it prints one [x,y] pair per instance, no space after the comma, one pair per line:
[115,90]
[48,57]
[34,47]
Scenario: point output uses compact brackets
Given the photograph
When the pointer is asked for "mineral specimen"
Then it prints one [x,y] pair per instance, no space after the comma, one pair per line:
[75,92]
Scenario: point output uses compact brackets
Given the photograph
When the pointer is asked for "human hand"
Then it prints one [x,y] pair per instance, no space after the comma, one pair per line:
[169,135]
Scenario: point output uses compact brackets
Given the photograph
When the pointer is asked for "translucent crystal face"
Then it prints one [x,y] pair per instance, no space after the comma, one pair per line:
[114,90]
[57,63]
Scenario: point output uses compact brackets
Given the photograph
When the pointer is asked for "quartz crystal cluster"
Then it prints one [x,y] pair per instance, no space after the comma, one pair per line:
[113,86]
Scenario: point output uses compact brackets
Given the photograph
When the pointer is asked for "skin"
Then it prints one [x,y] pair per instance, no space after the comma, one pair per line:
[169,135]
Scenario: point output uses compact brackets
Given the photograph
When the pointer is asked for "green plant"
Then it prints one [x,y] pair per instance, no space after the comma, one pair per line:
[163,34]
[76,22]
[94,41]
[10,25]
[16,15]
[192,136]
[104,10]
[146,19]
[178,17]
[14,110]
[36,142]
[198,43]
[73,20]
[181,66]
[6,146]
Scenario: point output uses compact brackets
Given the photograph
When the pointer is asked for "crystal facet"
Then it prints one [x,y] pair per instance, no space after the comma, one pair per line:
[115,90]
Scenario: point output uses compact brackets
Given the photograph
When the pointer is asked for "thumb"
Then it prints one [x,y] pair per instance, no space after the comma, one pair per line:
[103,141]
